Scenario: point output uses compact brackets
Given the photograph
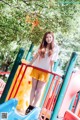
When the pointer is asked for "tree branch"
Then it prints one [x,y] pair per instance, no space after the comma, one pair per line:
[5,3]
[25,2]
[10,4]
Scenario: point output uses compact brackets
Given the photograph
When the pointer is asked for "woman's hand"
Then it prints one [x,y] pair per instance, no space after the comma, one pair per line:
[42,52]
[51,65]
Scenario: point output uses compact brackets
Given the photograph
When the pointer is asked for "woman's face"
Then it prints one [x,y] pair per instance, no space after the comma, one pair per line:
[49,38]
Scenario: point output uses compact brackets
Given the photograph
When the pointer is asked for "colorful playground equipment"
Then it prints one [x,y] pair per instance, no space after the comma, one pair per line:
[72,89]
[77,111]
[3,73]
[55,103]
[70,116]
[10,108]
[2,85]
[22,81]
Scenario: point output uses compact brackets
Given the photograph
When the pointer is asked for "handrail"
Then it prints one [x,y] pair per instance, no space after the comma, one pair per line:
[4,73]
[53,73]
[27,65]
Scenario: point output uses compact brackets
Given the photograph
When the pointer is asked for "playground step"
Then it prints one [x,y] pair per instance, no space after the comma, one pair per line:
[8,109]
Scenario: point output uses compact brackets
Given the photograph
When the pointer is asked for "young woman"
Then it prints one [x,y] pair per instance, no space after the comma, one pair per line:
[44,58]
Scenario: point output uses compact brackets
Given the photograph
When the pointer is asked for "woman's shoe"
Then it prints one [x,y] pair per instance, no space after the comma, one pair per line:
[29,109]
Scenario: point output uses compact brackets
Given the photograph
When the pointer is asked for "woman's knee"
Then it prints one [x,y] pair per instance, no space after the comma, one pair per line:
[34,83]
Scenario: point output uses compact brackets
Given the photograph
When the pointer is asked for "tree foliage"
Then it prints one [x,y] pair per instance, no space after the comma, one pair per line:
[25,21]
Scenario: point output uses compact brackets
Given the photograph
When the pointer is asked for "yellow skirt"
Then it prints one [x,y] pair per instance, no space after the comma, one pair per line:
[39,75]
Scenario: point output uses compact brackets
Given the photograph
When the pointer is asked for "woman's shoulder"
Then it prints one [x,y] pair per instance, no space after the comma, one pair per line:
[56,46]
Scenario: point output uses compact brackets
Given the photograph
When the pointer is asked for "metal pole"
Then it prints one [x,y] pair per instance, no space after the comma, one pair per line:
[64,86]
[29,52]
[13,71]
[49,82]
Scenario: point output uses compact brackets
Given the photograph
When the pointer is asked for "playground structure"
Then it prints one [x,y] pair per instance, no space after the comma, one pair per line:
[10,108]
[58,91]
[2,85]
[75,107]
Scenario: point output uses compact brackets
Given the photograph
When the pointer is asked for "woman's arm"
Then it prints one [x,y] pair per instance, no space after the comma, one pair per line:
[54,56]
[34,58]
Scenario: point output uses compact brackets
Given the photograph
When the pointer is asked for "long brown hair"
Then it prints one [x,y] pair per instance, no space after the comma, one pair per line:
[44,43]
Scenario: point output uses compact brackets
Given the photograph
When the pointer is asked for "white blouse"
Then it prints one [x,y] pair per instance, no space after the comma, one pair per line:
[44,63]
